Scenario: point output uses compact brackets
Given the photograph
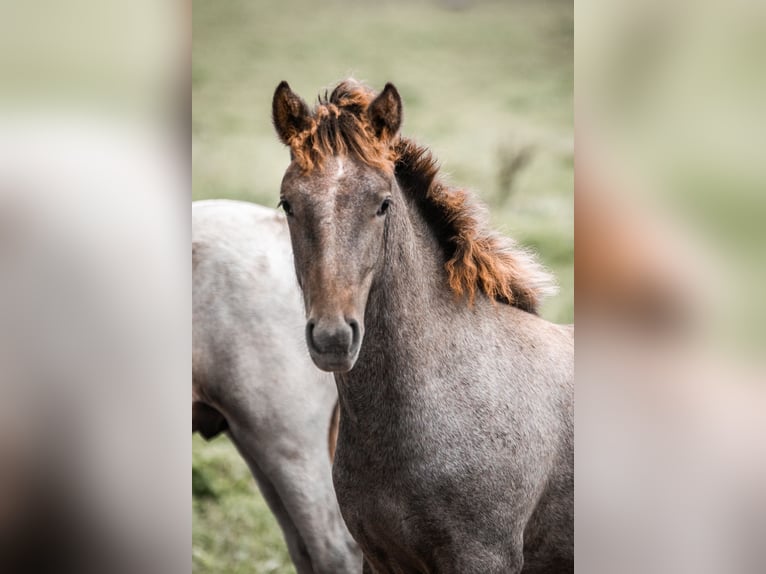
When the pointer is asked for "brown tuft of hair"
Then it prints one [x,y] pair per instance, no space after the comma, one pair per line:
[339,125]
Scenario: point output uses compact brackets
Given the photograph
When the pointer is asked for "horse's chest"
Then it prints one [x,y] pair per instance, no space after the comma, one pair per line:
[392,539]
[397,525]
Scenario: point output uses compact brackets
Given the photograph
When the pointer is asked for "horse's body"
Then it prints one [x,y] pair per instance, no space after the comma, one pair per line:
[252,376]
[456,432]
[455,450]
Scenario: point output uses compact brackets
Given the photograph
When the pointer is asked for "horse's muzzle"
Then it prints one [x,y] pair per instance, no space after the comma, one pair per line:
[333,343]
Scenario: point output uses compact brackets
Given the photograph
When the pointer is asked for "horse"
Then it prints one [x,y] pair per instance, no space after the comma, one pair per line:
[456,439]
[252,378]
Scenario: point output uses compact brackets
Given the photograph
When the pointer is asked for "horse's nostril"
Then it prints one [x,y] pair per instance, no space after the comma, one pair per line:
[354,332]
[310,333]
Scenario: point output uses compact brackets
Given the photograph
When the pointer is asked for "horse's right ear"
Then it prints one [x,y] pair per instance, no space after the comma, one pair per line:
[385,113]
[289,113]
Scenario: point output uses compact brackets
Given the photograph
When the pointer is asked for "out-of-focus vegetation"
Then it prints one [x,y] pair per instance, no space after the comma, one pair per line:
[487,85]
[233,529]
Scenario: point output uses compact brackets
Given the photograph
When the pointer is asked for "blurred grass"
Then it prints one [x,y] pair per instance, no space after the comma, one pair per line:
[233,531]
[477,83]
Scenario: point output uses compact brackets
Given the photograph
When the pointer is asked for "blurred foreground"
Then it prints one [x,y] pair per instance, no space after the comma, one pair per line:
[670,206]
[94,289]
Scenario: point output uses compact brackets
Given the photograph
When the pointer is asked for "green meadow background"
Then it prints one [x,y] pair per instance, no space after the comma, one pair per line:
[488,85]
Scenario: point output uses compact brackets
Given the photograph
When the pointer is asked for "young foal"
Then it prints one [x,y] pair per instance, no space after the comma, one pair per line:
[252,376]
[455,449]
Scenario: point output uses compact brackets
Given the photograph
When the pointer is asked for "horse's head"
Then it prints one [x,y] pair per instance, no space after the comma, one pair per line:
[337,194]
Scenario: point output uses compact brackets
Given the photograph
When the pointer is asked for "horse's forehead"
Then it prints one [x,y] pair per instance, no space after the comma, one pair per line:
[339,175]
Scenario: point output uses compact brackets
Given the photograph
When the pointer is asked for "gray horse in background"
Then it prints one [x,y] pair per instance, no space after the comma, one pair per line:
[456,441]
[252,377]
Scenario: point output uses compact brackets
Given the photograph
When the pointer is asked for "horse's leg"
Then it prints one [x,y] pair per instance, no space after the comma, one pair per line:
[299,474]
[295,545]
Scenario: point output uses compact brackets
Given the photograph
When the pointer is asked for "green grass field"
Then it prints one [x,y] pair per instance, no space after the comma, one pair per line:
[488,87]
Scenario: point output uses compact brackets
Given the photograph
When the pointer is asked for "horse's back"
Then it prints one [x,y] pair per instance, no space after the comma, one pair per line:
[234,235]
[242,263]
[247,311]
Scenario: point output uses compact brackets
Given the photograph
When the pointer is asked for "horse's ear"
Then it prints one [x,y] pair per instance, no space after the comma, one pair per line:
[385,113]
[289,113]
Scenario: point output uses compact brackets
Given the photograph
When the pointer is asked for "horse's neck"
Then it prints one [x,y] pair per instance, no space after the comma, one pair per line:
[412,284]
[405,303]
[414,264]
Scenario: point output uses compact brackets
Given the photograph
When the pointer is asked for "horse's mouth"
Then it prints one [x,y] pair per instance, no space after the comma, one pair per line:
[335,362]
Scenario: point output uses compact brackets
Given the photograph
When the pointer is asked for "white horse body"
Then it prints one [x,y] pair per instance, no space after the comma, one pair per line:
[253,376]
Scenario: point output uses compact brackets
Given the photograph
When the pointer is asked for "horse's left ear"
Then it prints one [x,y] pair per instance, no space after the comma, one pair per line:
[385,113]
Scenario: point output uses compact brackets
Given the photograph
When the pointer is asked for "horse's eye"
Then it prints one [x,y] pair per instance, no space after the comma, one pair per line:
[285,205]
[384,206]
